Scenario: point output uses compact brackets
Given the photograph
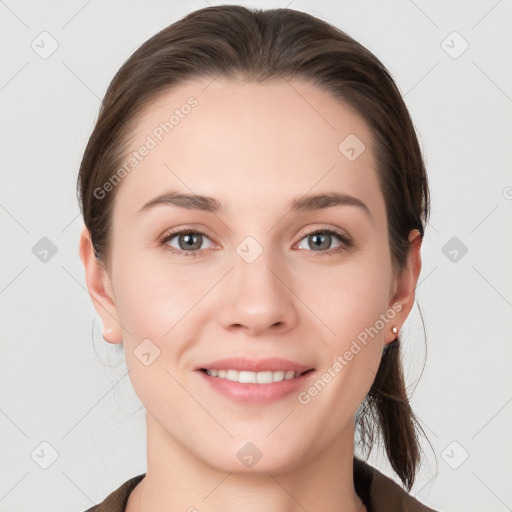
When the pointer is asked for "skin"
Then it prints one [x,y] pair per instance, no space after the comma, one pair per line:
[254,147]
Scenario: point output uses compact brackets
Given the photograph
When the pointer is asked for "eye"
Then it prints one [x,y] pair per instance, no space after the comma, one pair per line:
[189,242]
[322,239]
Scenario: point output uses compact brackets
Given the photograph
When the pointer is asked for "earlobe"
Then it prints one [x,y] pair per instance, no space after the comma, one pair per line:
[406,285]
[100,289]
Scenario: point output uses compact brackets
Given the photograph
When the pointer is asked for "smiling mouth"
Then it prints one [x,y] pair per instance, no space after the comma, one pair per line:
[248,377]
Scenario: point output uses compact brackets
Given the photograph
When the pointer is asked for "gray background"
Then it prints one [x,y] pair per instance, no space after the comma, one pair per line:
[63,386]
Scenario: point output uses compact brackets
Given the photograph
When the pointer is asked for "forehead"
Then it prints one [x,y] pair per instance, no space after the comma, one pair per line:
[247,143]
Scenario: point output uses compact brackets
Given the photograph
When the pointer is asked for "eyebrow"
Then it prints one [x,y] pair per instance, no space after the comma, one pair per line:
[298,204]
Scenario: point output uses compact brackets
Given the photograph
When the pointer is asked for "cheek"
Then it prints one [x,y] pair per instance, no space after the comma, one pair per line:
[153,306]
[352,302]
[158,308]
[154,296]
[348,297]
[352,305]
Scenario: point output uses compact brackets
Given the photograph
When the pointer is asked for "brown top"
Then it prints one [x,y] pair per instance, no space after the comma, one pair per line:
[377,491]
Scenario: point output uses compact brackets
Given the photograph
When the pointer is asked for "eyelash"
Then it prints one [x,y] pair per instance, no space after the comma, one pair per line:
[346,242]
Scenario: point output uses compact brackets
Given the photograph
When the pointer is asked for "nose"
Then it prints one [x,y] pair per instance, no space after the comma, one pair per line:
[258,297]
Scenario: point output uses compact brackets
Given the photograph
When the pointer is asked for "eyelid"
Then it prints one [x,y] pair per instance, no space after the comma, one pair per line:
[317,228]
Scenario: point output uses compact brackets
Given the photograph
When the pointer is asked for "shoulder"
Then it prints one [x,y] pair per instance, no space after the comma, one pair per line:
[116,500]
[380,493]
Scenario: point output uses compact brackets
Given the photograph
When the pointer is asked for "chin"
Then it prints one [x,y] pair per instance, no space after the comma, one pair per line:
[252,457]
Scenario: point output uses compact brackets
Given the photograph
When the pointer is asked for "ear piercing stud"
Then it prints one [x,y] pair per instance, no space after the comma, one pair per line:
[395,329]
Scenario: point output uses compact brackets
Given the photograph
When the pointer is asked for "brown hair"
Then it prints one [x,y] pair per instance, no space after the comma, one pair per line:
[234,41]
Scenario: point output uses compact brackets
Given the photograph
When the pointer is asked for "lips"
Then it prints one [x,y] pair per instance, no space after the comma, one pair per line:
[257,382]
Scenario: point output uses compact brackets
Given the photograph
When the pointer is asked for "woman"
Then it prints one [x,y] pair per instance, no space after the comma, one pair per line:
[254,199]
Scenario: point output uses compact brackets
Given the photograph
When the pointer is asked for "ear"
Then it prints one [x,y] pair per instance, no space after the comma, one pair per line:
[405,285]
[100,289]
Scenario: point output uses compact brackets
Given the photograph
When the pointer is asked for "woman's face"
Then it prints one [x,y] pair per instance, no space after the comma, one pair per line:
[257,278]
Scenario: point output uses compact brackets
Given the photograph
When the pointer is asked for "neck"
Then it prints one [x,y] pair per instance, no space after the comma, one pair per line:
[176,480]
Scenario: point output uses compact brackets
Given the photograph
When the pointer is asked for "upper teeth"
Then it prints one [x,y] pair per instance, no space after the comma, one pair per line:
[253,377]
